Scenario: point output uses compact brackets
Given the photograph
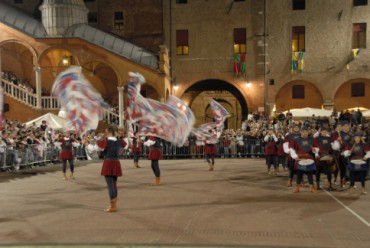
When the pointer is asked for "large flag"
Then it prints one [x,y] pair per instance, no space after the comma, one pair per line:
[207,131]
[297,62]
[82,103]
[240,65]
[171,121]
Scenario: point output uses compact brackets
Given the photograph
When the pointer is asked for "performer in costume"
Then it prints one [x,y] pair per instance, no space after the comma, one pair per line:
[358,151]
[280,154]
[335,145]
[323,157]
[301,149]
[66,154]
[155,154]
[111,168]
[345,140]
[270,151]
[288,142]
[210,149]
[136,149]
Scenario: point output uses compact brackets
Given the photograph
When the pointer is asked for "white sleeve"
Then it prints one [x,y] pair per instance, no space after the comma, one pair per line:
[347,153]
[149,142]
[293,154]
[275,138]
[286,147]
[316,134]
[367,155]
[266,138]
[335,145]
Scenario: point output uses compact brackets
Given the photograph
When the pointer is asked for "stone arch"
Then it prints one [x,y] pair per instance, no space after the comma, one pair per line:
[284,98]
[105,79]
[20,59]
[343,98]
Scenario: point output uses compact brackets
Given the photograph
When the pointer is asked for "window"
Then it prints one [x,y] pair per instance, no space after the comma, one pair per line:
[182,42]
[298,39]
[359,35]
[239,0]
[240,40]
[359,2]
[299,4]
[181,1]
[18,1]
[358,89]
[118,20]
[89,0]
[92,17]
[298,92]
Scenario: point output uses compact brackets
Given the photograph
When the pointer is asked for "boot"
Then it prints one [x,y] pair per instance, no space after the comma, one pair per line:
[296,189]
[210,166]
[112,206]
[353,189]
[312,189]
[72,176]
[363,191]
[276,171]
[290,183]
[157,181]
[64,176]
[317,186]
[137,164]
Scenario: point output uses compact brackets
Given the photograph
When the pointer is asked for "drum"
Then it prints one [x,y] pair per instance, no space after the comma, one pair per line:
[327,158]
[357,165]
[306,165]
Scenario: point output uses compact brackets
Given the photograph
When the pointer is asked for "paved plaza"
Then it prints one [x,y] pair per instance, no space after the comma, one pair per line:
[237,205]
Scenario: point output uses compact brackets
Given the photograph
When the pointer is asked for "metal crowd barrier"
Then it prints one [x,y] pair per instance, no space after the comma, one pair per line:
[13,158]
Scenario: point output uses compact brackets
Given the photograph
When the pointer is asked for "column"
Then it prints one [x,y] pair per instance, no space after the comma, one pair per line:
[121,107]
[38,86]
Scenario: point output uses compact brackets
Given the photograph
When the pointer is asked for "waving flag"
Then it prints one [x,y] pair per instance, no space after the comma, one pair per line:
[82,103]
[171,121]
[207,132]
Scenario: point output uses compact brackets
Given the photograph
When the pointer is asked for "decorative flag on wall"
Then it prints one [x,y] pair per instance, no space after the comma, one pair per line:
[240,65]
[297,62]
[82,103]
[171,121]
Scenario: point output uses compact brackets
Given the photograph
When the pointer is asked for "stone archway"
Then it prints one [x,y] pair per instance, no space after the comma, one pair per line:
[345,97]
[198,95]
[312,96]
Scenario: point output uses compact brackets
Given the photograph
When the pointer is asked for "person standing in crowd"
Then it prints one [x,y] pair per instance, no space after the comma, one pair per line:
[335,145]
[155,154]
[288,142]
[66,154]
[270,151]
[323,156]
[43,126]
[358,151]
[111,168]
[301,149]
[136,149]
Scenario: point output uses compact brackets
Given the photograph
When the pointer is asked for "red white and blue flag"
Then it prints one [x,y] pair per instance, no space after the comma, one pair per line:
[82,103]
[171,121]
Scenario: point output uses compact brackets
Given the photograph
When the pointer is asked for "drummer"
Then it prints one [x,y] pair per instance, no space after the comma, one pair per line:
[300,150]
[345,140]
[288,142]
[323,157]
[335,144]
[358,152]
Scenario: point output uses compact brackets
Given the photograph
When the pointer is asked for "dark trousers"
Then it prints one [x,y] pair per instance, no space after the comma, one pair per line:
[136,156]
[271,161]
[71,165]
[359,175]
[322,169]
[210,157]
[112,186]
[155,168]
[300,176]
[343,162]
[292,171]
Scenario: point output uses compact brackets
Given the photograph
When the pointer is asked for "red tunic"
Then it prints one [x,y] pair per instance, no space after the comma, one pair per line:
[155,152]
[111,167]
[210,149]
[67,149]
[136,145]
